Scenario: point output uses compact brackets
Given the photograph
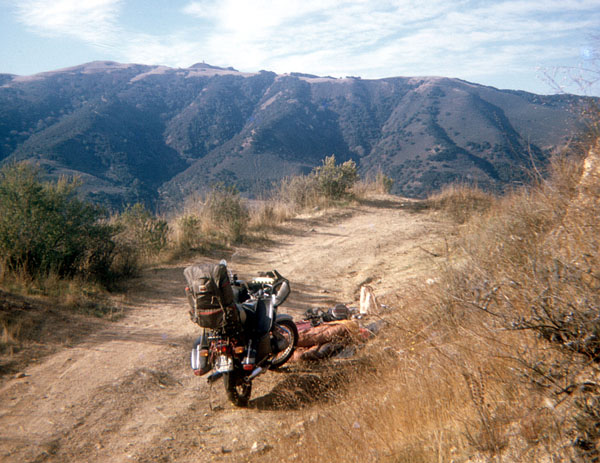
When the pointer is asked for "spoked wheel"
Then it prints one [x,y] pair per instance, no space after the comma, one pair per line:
[287,329]
[238,390]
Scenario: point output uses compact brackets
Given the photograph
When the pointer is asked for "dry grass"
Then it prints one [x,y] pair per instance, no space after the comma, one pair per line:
[221,218]
[301,193]
[498,360]
[461,202]
[216,219]
[31,328]
[39,315]
[528,267]
[380,184]
[75,294]
[439,389]
[265,215]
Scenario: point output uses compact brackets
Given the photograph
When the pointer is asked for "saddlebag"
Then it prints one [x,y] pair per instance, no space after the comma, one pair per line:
[209,294]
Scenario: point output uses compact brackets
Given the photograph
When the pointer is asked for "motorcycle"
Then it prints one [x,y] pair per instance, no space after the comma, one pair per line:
[252,320]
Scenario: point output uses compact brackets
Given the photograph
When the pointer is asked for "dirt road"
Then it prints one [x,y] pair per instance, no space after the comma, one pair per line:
[126,394]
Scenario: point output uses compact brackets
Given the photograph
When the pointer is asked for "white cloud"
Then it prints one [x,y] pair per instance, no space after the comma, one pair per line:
[370,38]
[291,34]
[88,20]
[171,50]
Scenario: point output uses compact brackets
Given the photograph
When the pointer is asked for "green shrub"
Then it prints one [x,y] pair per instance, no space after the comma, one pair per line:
[335,181]
[225,211]
[188,234]
[142,230]
[329,181]
[126,260]
[45,228]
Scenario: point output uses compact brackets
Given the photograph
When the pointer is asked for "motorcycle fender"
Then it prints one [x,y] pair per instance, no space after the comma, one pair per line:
[283,316]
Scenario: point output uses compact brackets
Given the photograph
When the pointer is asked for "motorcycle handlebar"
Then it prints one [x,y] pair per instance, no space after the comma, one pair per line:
[276,285]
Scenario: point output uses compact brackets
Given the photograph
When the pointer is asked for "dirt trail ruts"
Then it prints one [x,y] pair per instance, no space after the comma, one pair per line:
[127,394]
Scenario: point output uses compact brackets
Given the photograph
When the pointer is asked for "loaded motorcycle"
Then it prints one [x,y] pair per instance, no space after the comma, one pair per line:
[239,321]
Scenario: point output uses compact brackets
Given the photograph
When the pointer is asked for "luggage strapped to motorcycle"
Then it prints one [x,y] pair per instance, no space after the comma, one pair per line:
[209,294]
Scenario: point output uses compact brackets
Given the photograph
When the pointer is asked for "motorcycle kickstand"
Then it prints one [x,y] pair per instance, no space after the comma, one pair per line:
[214,377]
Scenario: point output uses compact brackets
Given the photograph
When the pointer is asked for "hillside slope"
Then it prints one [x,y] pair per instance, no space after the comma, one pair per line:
[154,133]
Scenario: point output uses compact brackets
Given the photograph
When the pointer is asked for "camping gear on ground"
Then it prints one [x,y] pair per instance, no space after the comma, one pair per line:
[339,312]
[327,339]
[234,314]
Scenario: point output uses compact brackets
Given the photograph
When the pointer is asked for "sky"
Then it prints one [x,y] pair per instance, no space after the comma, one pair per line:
[541,46]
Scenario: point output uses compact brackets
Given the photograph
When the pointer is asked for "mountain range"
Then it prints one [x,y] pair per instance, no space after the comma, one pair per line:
[157,134]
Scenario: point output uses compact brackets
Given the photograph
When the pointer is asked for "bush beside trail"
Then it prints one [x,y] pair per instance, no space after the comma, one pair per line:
[45,228]
[50,238]
[326,183]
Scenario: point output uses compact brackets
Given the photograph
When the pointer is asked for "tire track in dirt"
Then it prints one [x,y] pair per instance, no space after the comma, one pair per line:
[127,394]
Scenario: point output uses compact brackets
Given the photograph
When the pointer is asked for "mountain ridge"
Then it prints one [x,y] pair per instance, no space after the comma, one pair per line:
[156,134]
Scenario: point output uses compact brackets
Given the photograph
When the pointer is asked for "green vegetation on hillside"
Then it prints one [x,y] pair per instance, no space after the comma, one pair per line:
[156,135]
[46,229]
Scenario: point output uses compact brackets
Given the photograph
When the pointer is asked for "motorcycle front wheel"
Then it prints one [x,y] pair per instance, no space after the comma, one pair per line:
[288,329]
[238,390]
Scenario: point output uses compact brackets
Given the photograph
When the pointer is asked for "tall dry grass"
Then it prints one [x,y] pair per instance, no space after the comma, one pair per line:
[529,266]
[439,388]
[327,185]
[301,193]
[221,217]
[215,219]
[496,361]
[267,214]
[461,202]
[378,184]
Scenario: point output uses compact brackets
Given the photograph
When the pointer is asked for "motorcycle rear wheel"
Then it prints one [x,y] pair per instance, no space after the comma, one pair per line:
[290,332]
[238,390]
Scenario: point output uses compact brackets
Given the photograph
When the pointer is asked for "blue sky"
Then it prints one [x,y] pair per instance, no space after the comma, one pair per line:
[516,44]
